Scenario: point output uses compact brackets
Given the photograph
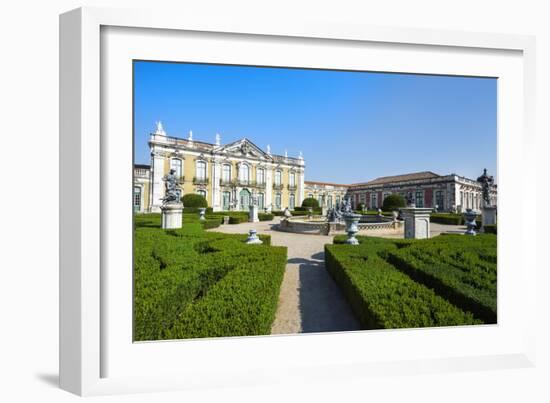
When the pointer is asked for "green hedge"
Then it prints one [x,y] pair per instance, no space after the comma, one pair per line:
[265,217]
[304,211]
[490,229]
[310,202]
[195,210]
[178,275]
[451,219]
[383,297]
[194,200]
[462,269]
[237,219]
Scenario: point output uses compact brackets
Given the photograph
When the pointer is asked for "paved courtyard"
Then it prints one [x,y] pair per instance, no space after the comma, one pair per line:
[310,301]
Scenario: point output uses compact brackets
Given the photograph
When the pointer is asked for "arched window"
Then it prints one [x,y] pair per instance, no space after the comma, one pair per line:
[277,201]
[260,176]
[201,170]
[226,173]
[202,193]
[244,173]
[176,165]
[278,175]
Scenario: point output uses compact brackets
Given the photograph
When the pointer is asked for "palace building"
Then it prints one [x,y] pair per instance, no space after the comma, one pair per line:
[427,189]
[327,194]
[229,176]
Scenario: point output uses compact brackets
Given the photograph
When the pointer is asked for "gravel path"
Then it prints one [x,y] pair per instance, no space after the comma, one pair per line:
[310,301]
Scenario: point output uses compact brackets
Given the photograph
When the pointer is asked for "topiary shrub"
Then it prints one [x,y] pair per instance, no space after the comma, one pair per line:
[194,200]
[310,202]
[393,202]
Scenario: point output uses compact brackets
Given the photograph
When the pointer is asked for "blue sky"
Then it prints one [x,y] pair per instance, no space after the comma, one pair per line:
[350,126]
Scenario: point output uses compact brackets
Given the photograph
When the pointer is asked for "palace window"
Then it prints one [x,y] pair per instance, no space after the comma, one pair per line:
[384,195]
[202,193]
[201,170]
[175,164]
[260,176]
[291,202]
[261,200]
[329,201]
[226,173]
[137,198]
[278,175]
[277,201]
[226,200]
[292,179]
[419,199]
[373,200]
[244,173]
[310,195]
[439,200]
[338,200]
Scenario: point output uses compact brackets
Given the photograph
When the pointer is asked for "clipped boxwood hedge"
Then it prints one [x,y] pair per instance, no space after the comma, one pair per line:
[180,276]
[490,229]
[265,216]
[460,268]
[383,297]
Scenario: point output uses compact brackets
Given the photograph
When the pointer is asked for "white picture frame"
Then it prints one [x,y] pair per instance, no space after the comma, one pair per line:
[96,357]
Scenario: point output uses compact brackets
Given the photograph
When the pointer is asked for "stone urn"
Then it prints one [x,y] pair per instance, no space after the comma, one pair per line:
[253,238]
[202,211]
[352,220]
[470,219]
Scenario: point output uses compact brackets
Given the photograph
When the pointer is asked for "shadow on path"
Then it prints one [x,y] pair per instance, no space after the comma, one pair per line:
[322,306]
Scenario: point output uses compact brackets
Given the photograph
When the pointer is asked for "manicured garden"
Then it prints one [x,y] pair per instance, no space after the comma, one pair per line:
[191,283]
[444,281]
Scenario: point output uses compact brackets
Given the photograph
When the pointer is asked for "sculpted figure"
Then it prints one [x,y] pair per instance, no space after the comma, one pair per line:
[171,188]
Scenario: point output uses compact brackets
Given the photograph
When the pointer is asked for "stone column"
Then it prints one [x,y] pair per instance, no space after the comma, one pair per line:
[253,213]
[417,222]
[488,216]
[269,187]
[157,185]
[216,189]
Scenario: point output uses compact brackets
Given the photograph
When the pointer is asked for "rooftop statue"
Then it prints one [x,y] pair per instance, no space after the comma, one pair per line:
[486,182]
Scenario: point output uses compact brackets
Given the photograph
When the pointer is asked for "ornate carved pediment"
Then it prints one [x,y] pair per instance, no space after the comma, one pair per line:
[245,148]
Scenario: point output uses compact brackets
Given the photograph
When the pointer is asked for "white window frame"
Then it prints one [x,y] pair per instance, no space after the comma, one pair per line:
[198,163]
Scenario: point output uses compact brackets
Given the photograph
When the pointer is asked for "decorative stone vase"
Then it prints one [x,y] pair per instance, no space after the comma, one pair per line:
[352,220]
[253,237]
[202,211]
[309,212]
[470,218]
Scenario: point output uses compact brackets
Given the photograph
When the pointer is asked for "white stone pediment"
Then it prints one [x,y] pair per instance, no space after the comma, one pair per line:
[244,148]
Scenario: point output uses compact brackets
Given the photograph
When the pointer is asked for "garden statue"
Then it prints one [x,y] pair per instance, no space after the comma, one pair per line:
[486,182]
[172,208]
[171,188]
[346,206]
[287,214]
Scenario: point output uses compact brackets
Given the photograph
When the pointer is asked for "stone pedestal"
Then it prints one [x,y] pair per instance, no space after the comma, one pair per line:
[172,214]
[417,222]
[488,216]
[324,211]
[253,237]
[225,219]
[253,213]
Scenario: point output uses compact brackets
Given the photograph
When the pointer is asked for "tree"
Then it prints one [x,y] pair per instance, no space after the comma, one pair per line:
[393,202]
[194,200]
[310,202]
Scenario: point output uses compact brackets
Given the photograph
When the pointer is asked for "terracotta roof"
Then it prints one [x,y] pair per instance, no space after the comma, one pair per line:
[400,178]
[325,183]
